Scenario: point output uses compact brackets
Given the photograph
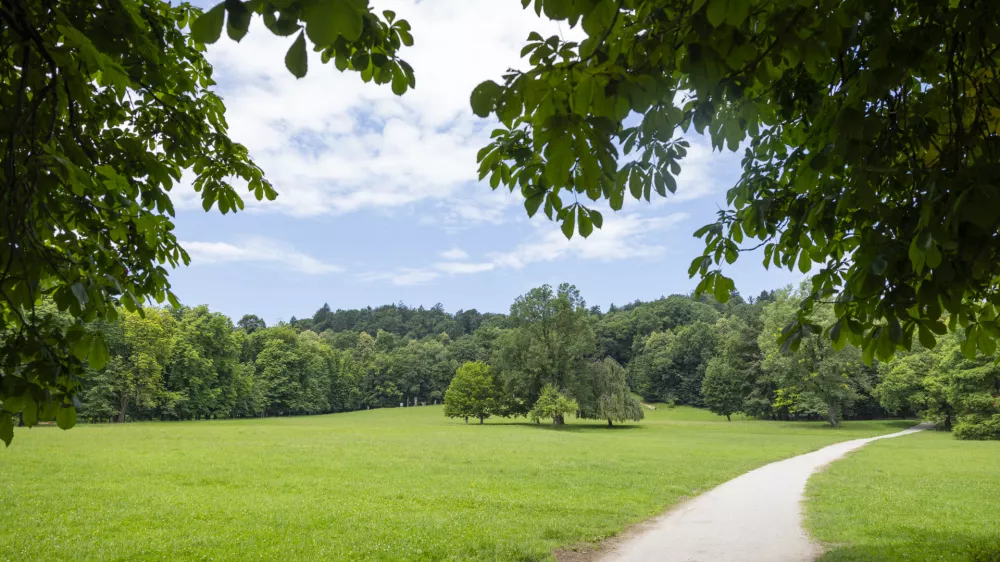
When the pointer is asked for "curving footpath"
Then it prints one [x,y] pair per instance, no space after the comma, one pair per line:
[756,517]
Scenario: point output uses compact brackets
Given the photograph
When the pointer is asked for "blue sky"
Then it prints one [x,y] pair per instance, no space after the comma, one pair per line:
[379,201]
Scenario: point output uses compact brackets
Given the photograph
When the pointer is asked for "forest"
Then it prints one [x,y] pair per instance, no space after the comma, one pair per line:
[550,356]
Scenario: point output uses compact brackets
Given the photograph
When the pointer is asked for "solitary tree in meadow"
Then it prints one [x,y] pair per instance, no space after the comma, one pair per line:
[552,404]
[723,389]
[472,393]
[612,399]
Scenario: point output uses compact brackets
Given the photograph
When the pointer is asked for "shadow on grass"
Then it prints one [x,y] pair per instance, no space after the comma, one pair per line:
[567,427]
[850,424]
[982,547]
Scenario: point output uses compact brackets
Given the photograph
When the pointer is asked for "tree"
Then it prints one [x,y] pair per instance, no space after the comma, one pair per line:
[251,323]
[880,170]
[815,379]
[149,340]
[669,366]
[945,385]
[551,340]
[723,388]
[552,404]
[612,399]
[105,105]
[472,393]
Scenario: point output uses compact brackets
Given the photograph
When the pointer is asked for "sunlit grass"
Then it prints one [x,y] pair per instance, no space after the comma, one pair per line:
[926,497]
[375,485]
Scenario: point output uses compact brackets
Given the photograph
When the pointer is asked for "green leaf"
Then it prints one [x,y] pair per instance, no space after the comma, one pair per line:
[879,265]
[295,58]
[617,197]
[399,82]
[597,218]
[987,344]
[326,20]
[98,356]
[6,428]
[805,263]
[969,346]
[586,226]
[583,94]
[927,339]
[717,11]
[80,292]
[558,9]
[30,414]
[239,19]
[208,27]
[66,417]
[15,404]
[721,291]
[933,257]
[569,225]
[484,98]
[916,254]
[532,203]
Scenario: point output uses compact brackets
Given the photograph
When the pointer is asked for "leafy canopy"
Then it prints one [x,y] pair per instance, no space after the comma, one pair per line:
[869,130]
[105,105]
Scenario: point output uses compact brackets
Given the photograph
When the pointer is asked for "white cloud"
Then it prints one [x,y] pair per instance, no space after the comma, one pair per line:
[260,250]
[622,237]
[456,268]
[332,144]
[455,254]
[403,277]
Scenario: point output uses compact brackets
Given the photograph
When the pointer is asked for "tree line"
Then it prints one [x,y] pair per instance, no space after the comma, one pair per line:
[550,356]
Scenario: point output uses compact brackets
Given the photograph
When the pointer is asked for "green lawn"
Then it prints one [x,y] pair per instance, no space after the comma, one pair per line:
[923,497]
[380,485]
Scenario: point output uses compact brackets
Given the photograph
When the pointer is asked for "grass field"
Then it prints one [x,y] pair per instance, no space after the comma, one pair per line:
[377,485]
[924,497]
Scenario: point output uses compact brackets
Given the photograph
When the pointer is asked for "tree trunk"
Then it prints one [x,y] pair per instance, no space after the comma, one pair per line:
[481,418]
[729,417]
[466,419]
[123,405]
[558,420]
[609,422]
[831,414]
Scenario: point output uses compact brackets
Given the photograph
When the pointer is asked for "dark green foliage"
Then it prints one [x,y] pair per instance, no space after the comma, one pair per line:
[869,131]
[670,365]
[550,342]
[104,106]
[944,385]
[723,389]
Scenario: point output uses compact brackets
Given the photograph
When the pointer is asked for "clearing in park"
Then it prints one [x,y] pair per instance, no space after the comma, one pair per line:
[380,485]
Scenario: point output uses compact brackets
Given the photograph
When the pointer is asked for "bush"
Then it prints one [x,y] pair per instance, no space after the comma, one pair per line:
[978,427]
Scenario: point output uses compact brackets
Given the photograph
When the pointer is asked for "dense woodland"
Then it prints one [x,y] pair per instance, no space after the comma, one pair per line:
[549,356]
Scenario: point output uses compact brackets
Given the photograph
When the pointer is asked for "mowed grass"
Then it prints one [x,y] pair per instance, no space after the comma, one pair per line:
[399,484]
[924,497]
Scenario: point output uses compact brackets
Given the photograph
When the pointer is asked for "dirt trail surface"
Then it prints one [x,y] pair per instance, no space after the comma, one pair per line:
[756,517]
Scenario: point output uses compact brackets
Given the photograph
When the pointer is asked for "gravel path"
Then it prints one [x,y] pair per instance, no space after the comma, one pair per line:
[756,517]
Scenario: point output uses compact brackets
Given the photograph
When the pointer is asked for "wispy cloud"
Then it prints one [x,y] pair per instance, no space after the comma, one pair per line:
[259,250]
[403,277]
[455,254]
[622,237]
